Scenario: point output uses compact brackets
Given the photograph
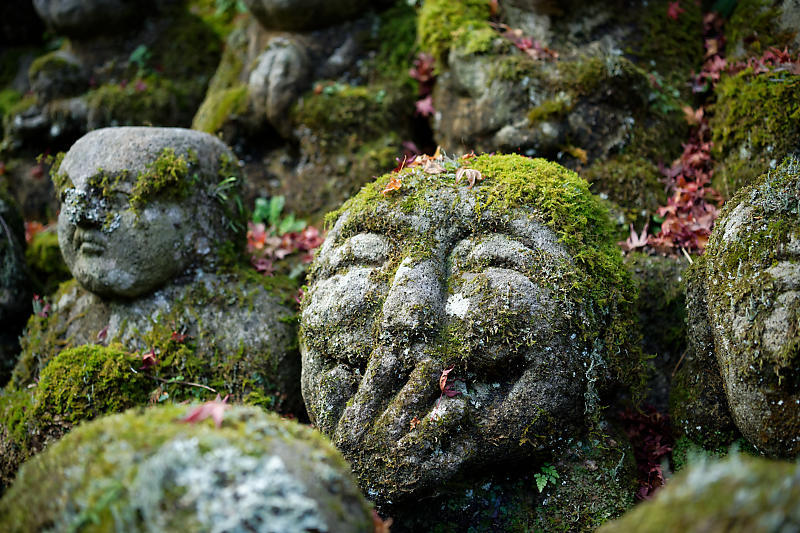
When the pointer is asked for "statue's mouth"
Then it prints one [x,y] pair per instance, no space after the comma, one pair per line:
[89,244]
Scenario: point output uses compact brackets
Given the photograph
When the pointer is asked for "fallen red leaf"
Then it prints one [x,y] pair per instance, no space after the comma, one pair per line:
[214,409]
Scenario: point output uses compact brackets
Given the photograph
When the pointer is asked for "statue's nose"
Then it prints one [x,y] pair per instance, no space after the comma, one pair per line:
[415,302]
[83,209]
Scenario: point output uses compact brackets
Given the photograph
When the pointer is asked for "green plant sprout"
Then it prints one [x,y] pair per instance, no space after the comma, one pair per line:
[548,475]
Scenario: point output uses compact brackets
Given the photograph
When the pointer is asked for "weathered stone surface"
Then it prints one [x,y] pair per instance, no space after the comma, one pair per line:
[737,494]
[752,279]
[118,242]
[146,470]
[437,276]
[81,18]
[298,15]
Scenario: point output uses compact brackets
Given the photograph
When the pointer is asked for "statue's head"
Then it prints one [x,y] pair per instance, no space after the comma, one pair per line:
[449,326]
[753,292]
[141,205]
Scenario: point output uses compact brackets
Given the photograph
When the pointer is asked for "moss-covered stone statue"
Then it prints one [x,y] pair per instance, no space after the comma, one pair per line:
[149,470]
[150,228]
[744,308]
[737,495]
[451,330]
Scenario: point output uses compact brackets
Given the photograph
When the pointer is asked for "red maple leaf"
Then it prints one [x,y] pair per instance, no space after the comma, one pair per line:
[674,10]
[149,359]
[444,386]
[214,410]
[425,106]
[180,338]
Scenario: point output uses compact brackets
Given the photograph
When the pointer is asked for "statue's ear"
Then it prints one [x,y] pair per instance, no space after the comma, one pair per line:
[698,404]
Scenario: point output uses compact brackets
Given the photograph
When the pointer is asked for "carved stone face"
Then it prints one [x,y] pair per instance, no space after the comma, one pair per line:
[754,307]
[389,310]
[121,241]
[113,251]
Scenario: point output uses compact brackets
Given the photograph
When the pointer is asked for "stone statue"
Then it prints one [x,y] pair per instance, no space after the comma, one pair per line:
[151,228]
[450,329]
[746,294]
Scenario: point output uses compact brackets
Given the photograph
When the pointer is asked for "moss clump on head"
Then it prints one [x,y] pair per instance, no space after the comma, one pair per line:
[147,469]
[84,382]
[439,20]
[632,182]
[755,124]
[167,176]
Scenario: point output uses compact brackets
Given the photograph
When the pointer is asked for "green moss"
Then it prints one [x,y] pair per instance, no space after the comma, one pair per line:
[150,101]
[552,109]
[738,494]
[755,123]
[752,28]
[674,48]
[395,39]
[478,41]
[84,382]
[50,65]
[8,99]
[218,107]
[43,256]
[632,183]
[167,176]
[439,20]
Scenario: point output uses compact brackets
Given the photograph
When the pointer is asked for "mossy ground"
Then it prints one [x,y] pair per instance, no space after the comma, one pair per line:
[439,20]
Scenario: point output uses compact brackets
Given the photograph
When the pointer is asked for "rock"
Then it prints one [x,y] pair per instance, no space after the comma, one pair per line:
[81,18]
[150,228]
[752,282]
[15,283]
[752,125]
[737,494]
[148,470]
[697,404]
[300,15]
[440,335]
[568,94]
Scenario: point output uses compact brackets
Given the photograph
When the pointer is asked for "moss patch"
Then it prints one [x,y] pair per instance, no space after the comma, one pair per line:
[219,107]
[43,256]
[752,28]
[755,124]
[439,20]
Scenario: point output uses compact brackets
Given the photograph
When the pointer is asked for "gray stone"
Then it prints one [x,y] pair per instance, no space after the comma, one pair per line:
[149,471]
[115,248]
[751,280]
[299,15]
[82,18]
[403,290]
